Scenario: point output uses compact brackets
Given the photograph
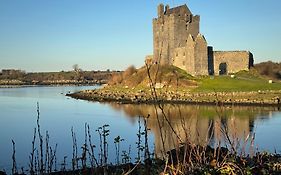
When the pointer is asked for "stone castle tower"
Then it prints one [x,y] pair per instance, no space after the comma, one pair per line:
[177,41]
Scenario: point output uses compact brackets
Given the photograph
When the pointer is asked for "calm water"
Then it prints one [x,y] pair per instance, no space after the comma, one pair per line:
[200,124]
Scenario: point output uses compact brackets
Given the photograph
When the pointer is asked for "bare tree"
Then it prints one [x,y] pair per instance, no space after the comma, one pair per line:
[78,71]
[76,68]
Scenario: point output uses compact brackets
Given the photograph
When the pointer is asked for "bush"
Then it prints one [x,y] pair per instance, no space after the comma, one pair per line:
[129,71]
[269,69]
[116,79]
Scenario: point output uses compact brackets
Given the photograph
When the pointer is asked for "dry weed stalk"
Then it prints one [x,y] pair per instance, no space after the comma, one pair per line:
[32,156]
[41,158]
[14,169]
[93,160]
[74,151]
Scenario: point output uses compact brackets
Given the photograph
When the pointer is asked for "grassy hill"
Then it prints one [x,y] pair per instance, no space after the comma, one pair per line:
[171,77]
[174,85]
[168,76]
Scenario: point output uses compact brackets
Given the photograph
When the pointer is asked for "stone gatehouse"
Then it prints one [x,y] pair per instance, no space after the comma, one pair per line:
[177,41]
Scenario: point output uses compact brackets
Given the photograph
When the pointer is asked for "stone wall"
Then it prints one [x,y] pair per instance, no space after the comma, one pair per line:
[170,31]
[179,58]
[201,56]
[163,38]
[177,41]
[235,61]
[193,57]
[190,49]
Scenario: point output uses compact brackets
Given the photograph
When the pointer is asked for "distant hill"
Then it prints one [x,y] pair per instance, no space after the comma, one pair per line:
[18,77]
[269,69]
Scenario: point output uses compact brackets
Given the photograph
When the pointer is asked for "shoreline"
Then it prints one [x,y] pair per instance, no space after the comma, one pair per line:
[191,99]
[49,85]
[17,83]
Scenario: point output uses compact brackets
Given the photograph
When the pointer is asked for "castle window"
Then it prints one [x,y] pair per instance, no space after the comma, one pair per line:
[177,54]
[183,63]
[183,53]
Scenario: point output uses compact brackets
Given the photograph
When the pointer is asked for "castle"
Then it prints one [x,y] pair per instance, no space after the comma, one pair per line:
[177,41]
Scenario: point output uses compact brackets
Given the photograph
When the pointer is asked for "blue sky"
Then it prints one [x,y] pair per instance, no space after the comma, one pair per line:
[52,35]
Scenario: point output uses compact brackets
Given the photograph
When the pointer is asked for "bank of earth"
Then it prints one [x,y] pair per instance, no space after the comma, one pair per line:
[173,85]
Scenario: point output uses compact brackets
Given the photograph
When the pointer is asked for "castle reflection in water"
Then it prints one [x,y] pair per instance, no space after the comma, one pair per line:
[200,125]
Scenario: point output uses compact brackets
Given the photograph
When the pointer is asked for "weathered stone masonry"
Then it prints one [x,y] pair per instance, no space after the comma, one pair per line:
[234,61]
[177,41]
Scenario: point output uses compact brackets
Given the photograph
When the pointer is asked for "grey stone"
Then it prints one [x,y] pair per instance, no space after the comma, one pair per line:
[177,41]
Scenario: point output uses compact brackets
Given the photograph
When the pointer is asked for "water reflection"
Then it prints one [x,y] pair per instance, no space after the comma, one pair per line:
[200,125]
[60,113]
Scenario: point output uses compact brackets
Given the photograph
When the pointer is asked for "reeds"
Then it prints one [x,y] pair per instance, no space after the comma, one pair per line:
[186,158]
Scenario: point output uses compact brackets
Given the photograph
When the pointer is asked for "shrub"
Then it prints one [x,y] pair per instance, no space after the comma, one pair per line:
[129,71]
[116,79]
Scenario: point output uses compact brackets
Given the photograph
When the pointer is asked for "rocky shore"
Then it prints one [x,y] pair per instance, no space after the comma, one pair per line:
[18,83]
[259,98]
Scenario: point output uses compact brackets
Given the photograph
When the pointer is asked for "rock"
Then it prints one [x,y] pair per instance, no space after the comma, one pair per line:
[159,85]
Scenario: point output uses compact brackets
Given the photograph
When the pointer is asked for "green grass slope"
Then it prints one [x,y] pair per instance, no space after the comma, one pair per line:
[175,78]
[242,81]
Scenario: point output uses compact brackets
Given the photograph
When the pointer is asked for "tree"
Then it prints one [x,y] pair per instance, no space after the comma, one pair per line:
[76,68]
[78,71]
